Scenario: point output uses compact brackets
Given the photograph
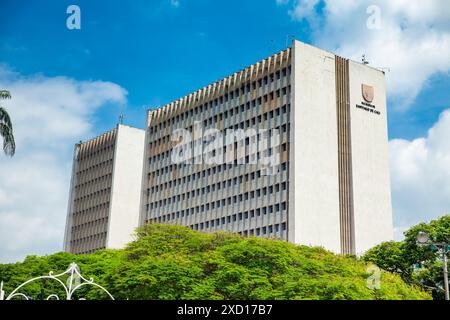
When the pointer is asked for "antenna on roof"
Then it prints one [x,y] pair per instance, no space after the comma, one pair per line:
[364,60]
[121,113]
[385,69]
[292,36]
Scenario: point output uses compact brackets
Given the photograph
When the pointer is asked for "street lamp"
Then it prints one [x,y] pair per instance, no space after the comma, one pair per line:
[423,238]
[443,248]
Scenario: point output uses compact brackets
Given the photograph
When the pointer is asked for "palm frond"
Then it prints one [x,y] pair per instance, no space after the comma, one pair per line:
[4,94]
[9,145]
[6,129]
[4,117]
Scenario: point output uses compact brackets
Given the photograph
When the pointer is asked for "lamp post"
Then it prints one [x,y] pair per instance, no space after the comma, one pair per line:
[443,248]
[2,293]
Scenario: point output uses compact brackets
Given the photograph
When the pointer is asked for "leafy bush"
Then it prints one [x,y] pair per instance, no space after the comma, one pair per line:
[175,262]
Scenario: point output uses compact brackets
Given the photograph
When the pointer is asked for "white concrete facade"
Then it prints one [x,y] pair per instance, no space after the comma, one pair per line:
[371,181]
[314,196]
[126,186]
[314,215]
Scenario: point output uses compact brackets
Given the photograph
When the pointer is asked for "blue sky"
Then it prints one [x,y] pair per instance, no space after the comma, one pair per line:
[130,55]
[154,49]
[160,50]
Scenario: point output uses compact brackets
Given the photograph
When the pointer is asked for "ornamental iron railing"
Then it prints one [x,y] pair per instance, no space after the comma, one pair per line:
[74,282]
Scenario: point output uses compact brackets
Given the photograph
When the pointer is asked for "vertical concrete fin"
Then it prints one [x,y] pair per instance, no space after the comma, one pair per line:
[346,214]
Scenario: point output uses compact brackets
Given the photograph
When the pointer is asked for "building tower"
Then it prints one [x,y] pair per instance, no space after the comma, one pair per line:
[104,197]
[293,147]
[331,187]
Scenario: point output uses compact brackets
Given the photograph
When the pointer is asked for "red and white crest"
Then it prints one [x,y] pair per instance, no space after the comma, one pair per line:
[367,93]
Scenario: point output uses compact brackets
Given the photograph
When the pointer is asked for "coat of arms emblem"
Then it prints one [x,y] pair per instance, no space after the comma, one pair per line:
[367,93]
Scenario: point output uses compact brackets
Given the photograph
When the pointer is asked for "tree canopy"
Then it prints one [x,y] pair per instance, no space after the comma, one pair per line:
[175,262]
[416,264]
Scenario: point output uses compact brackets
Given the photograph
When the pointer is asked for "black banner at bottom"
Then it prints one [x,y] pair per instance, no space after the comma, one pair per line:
[158,309]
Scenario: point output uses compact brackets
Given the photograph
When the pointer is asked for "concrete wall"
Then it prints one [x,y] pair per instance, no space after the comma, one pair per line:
[371,183]
[126,186]
[190,194]
[89,197]
[69,217]
[314,191]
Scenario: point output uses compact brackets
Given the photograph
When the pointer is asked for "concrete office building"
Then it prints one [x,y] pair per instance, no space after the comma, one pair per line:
[332,186]
[105,189]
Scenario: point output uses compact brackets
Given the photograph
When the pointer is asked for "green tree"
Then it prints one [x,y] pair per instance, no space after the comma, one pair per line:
[416,264]
[389,256]
[175,262]
[6,129]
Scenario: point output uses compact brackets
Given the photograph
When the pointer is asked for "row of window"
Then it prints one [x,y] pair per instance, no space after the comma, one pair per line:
[91,157]
[203,108]
[266,230]
[91,173]
[91,213]
[256,158]
[93,185]
[250,123]
[244,109]
[194,177]
[197,191]
[89,224]
[262,192]
[91,196]
[89,243]
[282,129]
[89,251]
[276,228]
[276,208]
[95,226]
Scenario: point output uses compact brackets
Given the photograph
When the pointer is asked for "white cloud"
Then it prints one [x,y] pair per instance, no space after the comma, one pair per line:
[49,115]
[175,3]
[282,2]
[413,39]
[304,9]
[420,175]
